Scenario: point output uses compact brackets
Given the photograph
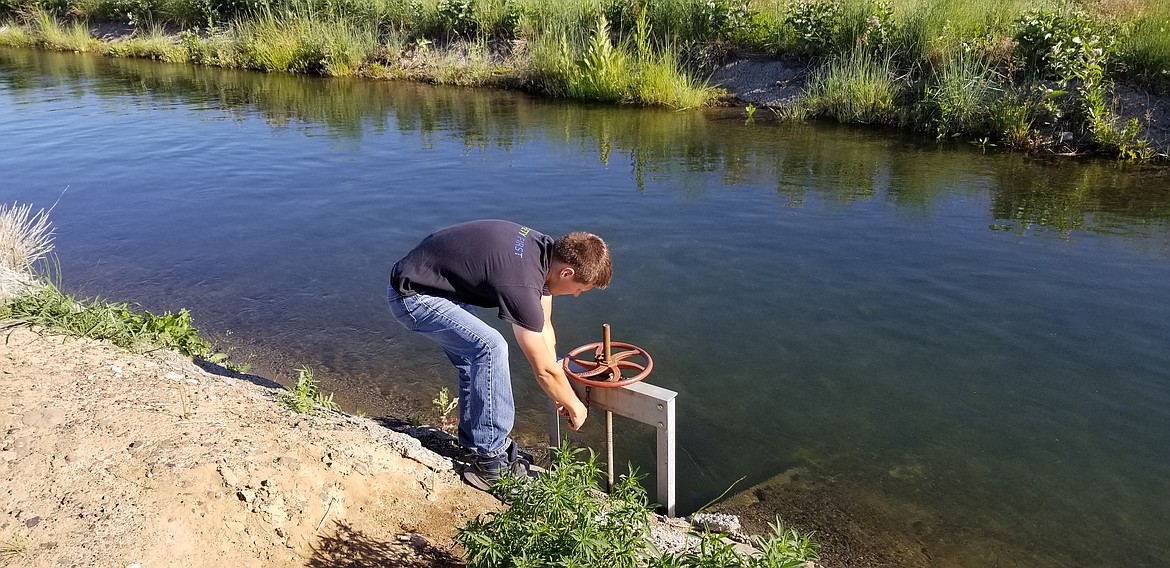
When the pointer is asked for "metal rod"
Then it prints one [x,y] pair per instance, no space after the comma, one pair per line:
[614,376]
[609,450]
[608,347]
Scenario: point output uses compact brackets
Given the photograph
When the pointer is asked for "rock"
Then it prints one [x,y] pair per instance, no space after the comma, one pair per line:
[32,522]
[136,444]
[174,376]
[717,522]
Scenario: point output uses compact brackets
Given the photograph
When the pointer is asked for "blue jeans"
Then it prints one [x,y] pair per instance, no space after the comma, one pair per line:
[480,354]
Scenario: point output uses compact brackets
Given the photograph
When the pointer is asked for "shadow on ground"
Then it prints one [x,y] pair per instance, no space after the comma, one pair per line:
[350,548]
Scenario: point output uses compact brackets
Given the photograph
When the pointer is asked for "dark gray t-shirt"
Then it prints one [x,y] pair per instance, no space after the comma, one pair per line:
[491,264]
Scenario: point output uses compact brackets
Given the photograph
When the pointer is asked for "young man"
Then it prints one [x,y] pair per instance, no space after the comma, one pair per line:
[496,264]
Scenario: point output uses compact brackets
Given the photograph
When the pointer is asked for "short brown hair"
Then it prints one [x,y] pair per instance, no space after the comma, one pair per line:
[588,255]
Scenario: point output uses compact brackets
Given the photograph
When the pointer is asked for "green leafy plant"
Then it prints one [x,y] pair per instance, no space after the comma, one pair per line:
[720,19]
[305,398]
[561,519]
[1060,43]
[444,406]
[812,25]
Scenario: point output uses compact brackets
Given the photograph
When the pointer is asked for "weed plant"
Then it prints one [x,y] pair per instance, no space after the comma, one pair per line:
[305,397]
[48,307]
[562,519]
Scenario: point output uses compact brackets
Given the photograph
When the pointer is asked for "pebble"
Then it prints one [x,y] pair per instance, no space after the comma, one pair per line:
[174,376]
[136,444]
[247,495]
[32,522]
[116,369]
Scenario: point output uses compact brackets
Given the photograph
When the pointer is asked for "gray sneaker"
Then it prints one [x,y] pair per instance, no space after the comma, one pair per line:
[482,473]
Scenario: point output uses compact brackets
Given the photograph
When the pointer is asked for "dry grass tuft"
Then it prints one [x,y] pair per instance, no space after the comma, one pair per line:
[25,238]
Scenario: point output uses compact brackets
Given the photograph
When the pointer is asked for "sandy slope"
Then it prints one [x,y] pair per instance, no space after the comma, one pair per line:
[110,458]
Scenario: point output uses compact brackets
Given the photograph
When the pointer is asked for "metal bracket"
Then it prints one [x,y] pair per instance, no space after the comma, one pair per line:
[644,403]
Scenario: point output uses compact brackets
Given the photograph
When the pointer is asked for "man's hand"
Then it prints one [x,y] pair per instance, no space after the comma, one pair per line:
[576,420]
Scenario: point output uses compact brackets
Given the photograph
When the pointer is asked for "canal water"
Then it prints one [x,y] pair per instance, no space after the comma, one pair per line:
[962,357]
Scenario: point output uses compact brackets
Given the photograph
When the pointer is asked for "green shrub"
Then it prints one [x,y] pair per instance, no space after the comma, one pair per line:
[305,397]
[561,519]
[811,26]
[49,307]
[1015,113]
[1059,43]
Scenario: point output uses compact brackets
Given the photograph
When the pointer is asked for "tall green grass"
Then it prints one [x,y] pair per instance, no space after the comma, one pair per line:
[61,36]
[1144,52]
[856,88]
[958,99]
[153,43]
[303,43]
[934,32]
[631,71]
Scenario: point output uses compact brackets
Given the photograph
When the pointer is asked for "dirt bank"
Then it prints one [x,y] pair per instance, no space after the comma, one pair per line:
[109,458]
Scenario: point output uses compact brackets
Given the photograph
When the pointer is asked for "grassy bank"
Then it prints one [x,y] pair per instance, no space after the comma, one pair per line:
[1018,73]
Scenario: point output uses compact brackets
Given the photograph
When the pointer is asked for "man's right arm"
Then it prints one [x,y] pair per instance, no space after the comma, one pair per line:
[549,374]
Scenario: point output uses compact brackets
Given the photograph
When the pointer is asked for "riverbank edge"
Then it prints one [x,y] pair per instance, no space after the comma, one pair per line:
[740,79]
[127,406]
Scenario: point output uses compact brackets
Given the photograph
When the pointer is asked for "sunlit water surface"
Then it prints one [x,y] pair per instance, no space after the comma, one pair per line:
[964,356]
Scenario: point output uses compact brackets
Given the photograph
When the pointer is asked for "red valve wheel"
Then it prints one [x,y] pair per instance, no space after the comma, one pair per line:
[608,372]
